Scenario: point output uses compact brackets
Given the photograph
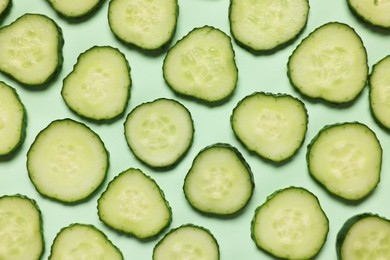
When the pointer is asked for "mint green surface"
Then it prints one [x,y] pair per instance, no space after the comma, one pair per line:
[256,73]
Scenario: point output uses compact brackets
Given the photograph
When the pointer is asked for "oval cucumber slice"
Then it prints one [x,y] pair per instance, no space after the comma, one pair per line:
[75,9]
[374,12]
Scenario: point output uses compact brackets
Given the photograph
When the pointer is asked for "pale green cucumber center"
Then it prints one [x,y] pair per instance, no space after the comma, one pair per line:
[73,8]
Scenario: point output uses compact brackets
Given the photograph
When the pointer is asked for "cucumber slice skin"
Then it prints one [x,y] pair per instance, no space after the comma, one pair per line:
[77,239]
[71,12]
[286,251]
[357,222]
[61,194]
[265,48]
[161,249]
[5,7]
[377,92]
[22,124]
[147,157]
[345,194]
[326,94]
[135,41]
[215,204]
[368,12]
[83,105]
[34,237]
[129,224]
[178,81]
[52,73]
[257,147]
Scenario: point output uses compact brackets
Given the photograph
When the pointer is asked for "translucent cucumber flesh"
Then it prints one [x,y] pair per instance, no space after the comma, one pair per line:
[74,8]
[373,11]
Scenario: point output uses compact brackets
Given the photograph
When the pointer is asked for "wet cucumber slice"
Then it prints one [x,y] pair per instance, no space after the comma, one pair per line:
[374,12]
[99,85]
[330,64]
[13,120]
[67,161]
[346,159]
[21,234]
[271,125]
[75,9]
[187,242]
[379,93]
[291,224]
[202,65]
[133,203]
[268,24]
[364,236]
[219,182]
[83,241]
[149,25]
[159,132]
[31,49]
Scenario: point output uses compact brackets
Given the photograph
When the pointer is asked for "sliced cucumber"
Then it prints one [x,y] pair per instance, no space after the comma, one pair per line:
[75,9]
[83,241]
[98,88]
[67,161]
[149,25]
[187,242]
[220,181]
[374,12]
[379,82]
[21,235]
[266,25]
[133,203]
[202,65]
[31,49]
[13,120]
[290,224]
[271,125]
[364,236]
[159,132]
[346,159]
[5,6]
[330,64]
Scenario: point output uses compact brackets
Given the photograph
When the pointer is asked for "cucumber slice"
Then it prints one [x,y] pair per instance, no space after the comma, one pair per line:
[364,236]
[67,161]
[159,132]
[330,64]
[13,120]
[149,25]
[133,203]
[75,9]
[31,49]
[21,235]
[379,91]
[271,125]
[220,181]
[374,12]
[290,224]
[5,6]
[98,88]
[202,65]
[83,241]
[187,242]
[346,160]
[266,25]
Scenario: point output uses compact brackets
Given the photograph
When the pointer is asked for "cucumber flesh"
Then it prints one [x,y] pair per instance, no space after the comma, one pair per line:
[379,83]
[273,126]
[330,64]
[266,25]
[74,8]
[290,224]
[21,234]
[83,241]
[133,203]
[374,12]
[12,120]
[98,88]
[346,159]
[159,132]
[67,161]
[220,181]
[31,49]
[187,242]
[202,65]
